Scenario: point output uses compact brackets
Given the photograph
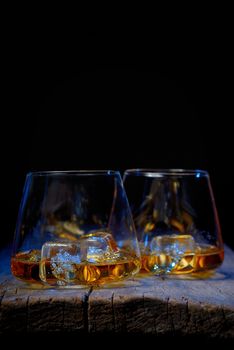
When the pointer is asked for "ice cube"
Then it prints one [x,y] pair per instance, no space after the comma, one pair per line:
[98,247]
[169,250]
[68,263]
[58,261]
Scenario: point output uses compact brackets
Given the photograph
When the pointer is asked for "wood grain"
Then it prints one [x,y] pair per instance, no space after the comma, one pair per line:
[183,306]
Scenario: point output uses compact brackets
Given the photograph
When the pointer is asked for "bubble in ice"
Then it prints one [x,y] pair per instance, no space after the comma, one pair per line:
[62,257]
[66,265]
[169,250]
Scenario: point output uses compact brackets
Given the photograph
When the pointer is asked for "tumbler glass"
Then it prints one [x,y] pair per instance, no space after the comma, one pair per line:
[74,228]
[176,219]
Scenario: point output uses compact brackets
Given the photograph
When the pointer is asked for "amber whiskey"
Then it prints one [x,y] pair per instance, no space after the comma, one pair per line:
[28,267]
[25,265]
[87,273]
[206,257]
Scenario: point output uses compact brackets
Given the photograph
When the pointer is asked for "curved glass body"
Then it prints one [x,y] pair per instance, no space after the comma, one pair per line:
[74,228]
[176,219]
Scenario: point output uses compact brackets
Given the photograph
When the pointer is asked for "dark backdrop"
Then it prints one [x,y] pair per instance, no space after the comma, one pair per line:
[115,117]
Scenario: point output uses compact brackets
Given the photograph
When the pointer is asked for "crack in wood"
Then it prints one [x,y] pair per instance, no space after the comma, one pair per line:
[113,311]
[27,314]
[63,315]
[85,304]
[2,296]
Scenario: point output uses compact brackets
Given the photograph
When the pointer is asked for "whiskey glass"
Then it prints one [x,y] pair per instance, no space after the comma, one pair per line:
[176,220]
[74,228]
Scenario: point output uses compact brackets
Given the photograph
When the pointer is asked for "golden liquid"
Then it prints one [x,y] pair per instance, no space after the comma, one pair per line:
[90,273]
[27,266]
[206,257]
[23,267]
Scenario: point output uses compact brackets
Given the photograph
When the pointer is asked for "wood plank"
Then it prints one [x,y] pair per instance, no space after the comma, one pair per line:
[175,305]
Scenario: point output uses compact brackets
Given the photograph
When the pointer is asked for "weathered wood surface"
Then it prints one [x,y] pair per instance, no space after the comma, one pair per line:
[145,305]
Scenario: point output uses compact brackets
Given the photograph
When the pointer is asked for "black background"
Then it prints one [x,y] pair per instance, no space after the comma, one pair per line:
[172,112]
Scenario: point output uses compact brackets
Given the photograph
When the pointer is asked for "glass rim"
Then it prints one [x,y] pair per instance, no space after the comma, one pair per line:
[166,172]
[73,172]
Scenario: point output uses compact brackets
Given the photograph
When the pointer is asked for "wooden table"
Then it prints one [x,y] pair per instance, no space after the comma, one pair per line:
[144,305]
